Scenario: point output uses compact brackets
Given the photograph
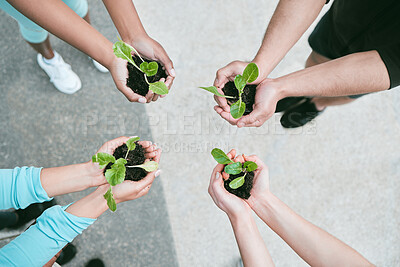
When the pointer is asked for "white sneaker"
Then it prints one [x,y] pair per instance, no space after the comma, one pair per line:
[60,73]
[98,66]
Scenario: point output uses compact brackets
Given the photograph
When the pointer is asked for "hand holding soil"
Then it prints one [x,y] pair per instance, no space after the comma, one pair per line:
[229,203]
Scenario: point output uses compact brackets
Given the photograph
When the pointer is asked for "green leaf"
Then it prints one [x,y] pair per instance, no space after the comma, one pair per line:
[110,200]
[250,166]
[131,143]
[118,163]
[240,82]
[214,90]
[116,174]
[103,159]
[158,88]
[250,73]
[150,69]
[234,168]
[149,166]
[124,51]
[238,182]
[220,156]
[237,109]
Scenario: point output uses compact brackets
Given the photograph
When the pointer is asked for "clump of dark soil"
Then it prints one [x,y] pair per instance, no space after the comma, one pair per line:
[244,190]
[135,157]
[136,80]
[248,96]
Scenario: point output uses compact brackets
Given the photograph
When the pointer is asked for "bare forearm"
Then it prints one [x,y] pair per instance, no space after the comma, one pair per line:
[91,206]
[125,18]
[252,247]
[311,243]
[56,17]
[289,22]
[357,73]
[67,179]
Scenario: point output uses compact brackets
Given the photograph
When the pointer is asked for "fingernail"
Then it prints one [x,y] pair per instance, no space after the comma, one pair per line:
[217,176]
[158,172]
[142,100]
[172,71]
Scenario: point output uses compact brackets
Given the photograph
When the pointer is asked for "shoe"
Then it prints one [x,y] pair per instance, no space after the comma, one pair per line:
[300,115]
[288,102]
[31,213]
[60,73]
[98,66]
[95,263]
[67,254]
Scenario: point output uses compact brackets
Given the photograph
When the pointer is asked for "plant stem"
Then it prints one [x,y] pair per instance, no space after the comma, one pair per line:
[126,156]
[145,77]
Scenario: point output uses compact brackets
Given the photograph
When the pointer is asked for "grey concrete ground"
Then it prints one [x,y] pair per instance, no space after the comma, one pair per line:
[341,172]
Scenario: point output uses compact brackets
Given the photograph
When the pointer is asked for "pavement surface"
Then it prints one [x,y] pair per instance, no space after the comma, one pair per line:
[340,172]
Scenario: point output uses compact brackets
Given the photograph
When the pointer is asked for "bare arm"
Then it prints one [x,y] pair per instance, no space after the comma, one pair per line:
[288,23]
[125,18]
[56,17]
[311,243]
[357,73]
[251,245]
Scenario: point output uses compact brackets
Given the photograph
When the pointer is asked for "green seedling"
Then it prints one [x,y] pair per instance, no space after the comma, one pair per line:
[250,74]
[116,175]
[124,51]
[234,168]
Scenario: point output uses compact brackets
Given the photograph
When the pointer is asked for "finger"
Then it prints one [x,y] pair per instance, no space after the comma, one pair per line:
[145,144]
[239,159]
[152,155]
[255,119]
[228,117]
[157,157]
[150,148]
[149,96]
[222,103]
[148,180]
[111,145]
[231,154]
[221,77]
[225,176]
[155,97]
[217,168]
[131,96]
[169,81]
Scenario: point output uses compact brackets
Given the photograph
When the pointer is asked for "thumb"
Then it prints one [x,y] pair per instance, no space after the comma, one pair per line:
[254,119]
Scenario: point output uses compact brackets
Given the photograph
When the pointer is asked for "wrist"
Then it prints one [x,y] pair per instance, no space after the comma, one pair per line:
[89,173]
[133,38]
[91,206]
[265,204]
[235,216]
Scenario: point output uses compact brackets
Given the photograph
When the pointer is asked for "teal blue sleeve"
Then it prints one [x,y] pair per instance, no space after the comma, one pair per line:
[21,187]
[37,245]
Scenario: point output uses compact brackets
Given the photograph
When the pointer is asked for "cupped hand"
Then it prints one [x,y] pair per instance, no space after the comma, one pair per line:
[229,203]
[129,190]
[260,183]
[151,49]
[267,96]
[109,147]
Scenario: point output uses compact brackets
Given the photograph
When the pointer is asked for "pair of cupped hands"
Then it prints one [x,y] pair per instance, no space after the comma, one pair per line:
[267,93]
[128,190]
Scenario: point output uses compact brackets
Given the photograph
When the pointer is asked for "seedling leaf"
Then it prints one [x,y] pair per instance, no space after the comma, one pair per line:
[149,166]
[240,82]
[116,174]
[250,73]
[131,143]
[234,168]
[124,51]
[118,163]
[214,90]
[103,159]
[150,69]
[110,200]
[237,109]
[220,156]
[250,166]
[238,182]
[158,88]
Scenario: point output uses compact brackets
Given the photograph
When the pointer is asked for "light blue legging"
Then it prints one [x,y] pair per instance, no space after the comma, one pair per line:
[32,32]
